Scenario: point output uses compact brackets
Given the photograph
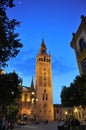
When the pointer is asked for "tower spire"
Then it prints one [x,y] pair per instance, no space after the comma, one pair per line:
[42,42]
[32,84]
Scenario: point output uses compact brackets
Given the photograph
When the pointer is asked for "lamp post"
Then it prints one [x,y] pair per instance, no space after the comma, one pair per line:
[32,104]
[33,100]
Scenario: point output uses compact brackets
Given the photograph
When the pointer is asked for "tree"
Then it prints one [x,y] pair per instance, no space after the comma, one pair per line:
[9,42]
[12,111]
[10,92]
[75,94]
[9,88]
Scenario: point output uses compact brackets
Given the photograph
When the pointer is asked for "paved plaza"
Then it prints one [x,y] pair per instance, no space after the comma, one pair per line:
[48,126]
[41,126]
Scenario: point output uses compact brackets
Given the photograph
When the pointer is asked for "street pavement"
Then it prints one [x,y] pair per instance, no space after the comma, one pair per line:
[41,126]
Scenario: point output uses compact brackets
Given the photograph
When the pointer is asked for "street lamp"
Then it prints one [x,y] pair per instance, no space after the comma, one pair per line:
[75,112]
[12,93]
[66,113]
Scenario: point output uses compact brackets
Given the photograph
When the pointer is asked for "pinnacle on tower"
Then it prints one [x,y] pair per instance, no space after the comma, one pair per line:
[43,44]
[32,84]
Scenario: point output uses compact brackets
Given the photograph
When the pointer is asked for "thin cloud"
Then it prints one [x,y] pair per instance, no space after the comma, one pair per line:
[59,67]
[24,63]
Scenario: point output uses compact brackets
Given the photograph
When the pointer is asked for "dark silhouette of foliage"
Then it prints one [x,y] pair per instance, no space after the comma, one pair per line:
[75,95]
[9,48]
[9,88]
[6,3]
[9,42]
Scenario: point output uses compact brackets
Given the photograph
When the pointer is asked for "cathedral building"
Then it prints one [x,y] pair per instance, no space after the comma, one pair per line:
[78,43]
[38,101]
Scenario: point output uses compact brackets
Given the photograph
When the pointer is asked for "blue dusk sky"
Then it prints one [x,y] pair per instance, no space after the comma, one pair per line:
[55,21]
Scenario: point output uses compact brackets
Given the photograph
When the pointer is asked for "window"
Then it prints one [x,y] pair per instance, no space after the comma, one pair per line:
[43,98]
[57,111]
[44,84]
[83,66]
[45,90]
[44,69]
[44,73]
[82,45]
[46,97]
[44,78]
[40,59]
[25,97]
[45,105]
[48,60]
[44,58]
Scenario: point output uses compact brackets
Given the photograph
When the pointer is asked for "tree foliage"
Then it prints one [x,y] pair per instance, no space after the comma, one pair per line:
[75,94]
[9,88]
[9,42]
[11,112]
[6,3]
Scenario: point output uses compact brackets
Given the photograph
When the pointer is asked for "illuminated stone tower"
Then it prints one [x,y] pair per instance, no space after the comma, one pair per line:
[78,43]
[44,108]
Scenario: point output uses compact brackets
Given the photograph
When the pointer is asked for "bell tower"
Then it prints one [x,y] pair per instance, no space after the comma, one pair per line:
[44,106]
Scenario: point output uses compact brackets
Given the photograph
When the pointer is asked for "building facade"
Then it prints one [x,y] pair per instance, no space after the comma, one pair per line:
[44,106]
[27,107]
[78,43]
[64,113]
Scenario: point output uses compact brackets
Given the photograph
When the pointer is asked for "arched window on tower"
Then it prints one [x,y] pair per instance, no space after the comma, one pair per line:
[82,45]
[44,59]
[46,97]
